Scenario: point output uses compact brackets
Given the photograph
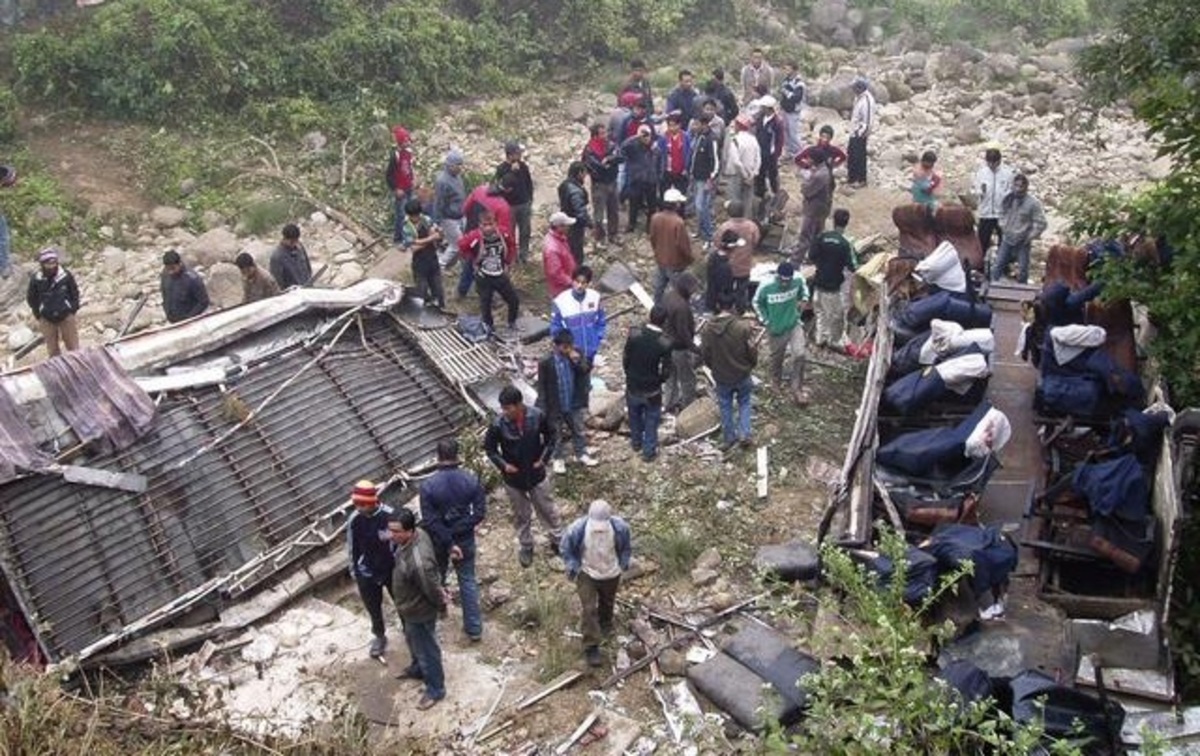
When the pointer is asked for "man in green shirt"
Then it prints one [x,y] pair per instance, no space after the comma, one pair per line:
[777,305]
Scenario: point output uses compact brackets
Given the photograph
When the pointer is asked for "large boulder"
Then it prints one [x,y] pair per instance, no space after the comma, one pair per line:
[697,417]
[967,129]
[827,16]
[213,246]
[1003,66]
[168,217]
[224,285]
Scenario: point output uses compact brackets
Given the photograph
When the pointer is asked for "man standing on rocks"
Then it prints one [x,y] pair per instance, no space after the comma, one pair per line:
[371,558]
[832,254]
[419,598]
[8,177]
[400,178]
[453,504]
[557,261]
[596,549]
[815,187]
[183,293]
[1021,221]
[289,263]
[53,296]
[862,121]
[682,99]
[757,73]
[791,102]
[770,133]
[603,160]
[519,442]
[670,241]
[730,351]
[717,89]
[741,259]
[680,329]
[519,194]
[638,84]
[993,182]
[647,363]
[449,197]
[491,251]
[704,169]
[421,237]
[718,280]
[256,283]
[573,200]
[777,304]
[581,311]
[487,197]
[562,384]
[641,174]
[675,147]
[743,159]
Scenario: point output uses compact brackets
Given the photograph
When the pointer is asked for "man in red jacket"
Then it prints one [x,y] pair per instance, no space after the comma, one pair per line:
[491,251]
[488,197]
[557,260]
[400,178]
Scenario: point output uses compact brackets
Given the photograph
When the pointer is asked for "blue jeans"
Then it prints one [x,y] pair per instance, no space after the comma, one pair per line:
[5,264]
[702,193]
[468,586]
[399,201]
[661,280]
[421,638]
[1004,257]
[466,278]
[725,396]
[644,415]
[573,422]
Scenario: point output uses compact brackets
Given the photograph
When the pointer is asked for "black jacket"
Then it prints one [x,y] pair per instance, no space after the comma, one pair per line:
[184,295]
[603,168]
[291,267]
[53,299]
[453,502]
[547,381]
[533,441]
[522,191]
[573,200]
[704,157]
[719,280]
[680,327]
[647,361]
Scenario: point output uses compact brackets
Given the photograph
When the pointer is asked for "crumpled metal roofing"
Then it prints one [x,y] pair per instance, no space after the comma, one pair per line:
[85,561]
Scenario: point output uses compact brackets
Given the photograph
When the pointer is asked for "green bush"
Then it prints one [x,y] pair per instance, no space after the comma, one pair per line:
[8,115]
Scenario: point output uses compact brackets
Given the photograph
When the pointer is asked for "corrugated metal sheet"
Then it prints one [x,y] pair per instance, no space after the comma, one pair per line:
[87,561]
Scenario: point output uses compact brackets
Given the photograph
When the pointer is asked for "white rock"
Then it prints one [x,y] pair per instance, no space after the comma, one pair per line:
[336,245]
[214,246]
[168,217]
[318,218]
[262,648]
[112,260]
[350,273]
[19,336]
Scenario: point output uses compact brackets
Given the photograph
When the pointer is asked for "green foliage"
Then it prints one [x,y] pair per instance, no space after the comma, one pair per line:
[881,698]
[966,19]
[8,115]
[37,189]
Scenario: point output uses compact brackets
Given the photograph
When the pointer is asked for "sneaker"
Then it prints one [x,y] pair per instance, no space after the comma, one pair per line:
[559,467]
[637,449]
[649,457]
[378,646]
[592,654]
[475,637]
[746,443]
[727,445]
[525,557]
[427,702]
[587,460]
[802,397]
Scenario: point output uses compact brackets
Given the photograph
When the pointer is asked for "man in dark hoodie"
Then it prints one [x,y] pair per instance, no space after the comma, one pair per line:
[53,296]
[729,349]
[183,293]
[453,504]
[719,274]
[371,559]
[562,383]
[519,193]
[680,329]
[647,363]
[419,599]
[573,200]
[519,442]
[603,160]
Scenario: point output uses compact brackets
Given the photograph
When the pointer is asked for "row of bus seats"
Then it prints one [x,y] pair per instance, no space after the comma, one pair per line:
[1094,520]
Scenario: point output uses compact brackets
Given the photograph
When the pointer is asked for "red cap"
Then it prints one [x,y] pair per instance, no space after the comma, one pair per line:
[364,494]
[401,134]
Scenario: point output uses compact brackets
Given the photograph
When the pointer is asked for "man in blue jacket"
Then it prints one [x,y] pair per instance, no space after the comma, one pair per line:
[596,550]
[519,442]
[562,383]
[453,503]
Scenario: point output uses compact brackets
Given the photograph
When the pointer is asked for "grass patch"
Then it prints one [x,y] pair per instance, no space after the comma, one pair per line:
[675,550]
[265,216]
[549,612]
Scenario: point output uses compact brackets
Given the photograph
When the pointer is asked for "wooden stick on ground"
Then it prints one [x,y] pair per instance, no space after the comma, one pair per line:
[587,722]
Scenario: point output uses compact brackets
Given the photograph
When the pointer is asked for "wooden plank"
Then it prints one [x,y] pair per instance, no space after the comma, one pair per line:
[562,681]
[762,472]
[587,722]
[93,476]
[153,384]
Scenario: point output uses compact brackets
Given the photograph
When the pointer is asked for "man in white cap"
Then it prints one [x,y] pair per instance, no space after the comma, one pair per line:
[595,550]
[54,298]
[742,161]
[557,261]
[770,135]
[862,120]
[670,241]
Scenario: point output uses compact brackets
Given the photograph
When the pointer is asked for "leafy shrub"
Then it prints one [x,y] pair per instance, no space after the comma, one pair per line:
[8,115]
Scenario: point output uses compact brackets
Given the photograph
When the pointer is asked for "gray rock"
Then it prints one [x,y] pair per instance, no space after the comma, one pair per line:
[709,559]
[579,111]
[19,336]
[827,15]
[697,417]
[498,593]
[673,662]
[112,260]
[380,135]
[188,186]
[211,219]
[336,245]
[44,215]
[348,274]
[224,285]
[129,290]
[606,409]
[213,246]
[314,141]
[106,232]
[967,130]
[843,36]
[1041,103]
[1002,104]
[837,94]
[1029,70]
[1054,63]
[1003,66]
[1067,46]
[897,88]
[944,65]
[168,217]
[794,560]
[855,18]
[1034,86]
[913,60]
[702,576]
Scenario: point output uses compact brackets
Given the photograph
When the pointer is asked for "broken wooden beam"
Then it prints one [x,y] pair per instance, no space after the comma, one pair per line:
[587,722]
[560,682]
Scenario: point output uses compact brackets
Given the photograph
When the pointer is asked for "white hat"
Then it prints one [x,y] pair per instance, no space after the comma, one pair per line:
[767,101]
[674,195]
[559,218]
